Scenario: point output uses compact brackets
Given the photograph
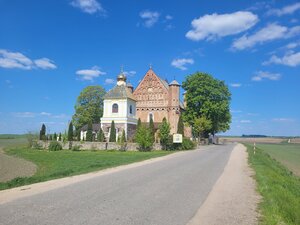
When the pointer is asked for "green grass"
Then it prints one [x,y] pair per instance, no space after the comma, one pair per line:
[278,186]
[64,163]
[287,154]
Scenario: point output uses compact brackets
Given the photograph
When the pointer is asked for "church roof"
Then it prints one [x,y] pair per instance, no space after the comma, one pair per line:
[164,82]
[119,92]
[174,82]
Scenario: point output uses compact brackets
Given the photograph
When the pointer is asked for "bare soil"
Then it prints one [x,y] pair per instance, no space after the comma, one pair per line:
[12,167]
[233,199]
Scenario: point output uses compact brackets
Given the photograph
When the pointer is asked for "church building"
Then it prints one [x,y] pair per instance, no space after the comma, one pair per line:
[157,98]
[120,107]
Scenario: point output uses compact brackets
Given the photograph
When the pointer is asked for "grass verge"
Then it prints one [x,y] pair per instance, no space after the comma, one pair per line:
[52,165]
[279,188]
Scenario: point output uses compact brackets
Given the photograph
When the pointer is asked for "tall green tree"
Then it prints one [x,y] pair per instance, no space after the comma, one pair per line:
[144,138]
[89,132]
[100,136]
[201,126]
[164,132]
[70,132]
[112,136]
[139,123]
[59,137]
[180,126]
[207,97]
[55,137]
[151,127]
[43,132]
[89,106]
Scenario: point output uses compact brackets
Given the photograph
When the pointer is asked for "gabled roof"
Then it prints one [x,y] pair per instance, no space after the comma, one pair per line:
[165,83]
[119,92]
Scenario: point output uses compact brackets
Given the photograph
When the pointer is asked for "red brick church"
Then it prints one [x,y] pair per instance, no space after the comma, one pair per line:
[157,98]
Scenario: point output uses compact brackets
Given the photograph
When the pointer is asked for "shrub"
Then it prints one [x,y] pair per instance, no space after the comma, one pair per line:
[36,145]
[76,148]
[55,146]
[187,144]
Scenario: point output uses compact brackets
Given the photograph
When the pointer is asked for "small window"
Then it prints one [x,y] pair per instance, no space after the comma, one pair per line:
[115,108]
[130,109]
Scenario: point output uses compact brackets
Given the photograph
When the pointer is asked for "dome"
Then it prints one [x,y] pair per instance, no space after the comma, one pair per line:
[121,77]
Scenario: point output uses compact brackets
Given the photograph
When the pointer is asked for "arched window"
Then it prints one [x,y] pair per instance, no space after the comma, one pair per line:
[130,109]
[115,108]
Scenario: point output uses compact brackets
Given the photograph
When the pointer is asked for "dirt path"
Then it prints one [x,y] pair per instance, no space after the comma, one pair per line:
[12,167]
[233,199]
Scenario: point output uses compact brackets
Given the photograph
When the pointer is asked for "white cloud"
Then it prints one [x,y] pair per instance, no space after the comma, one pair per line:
[292,45]
[88,6]
[24,114]
[109,81]
[215,26]
[290,9]
[289,59]
[45,63]
[90,74]
[149,17]
[45,114]
[236,85]
[130,73]
[16,60]
[169,17]
[260,75]
[235,111]
[245,121]
[269,33]
[283,120]
[181,63]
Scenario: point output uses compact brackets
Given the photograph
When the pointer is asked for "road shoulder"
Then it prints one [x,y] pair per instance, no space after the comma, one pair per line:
[233,199]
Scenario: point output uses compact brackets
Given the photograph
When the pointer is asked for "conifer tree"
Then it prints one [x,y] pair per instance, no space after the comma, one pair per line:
[100,136]
[70,132]
[43,132]
[123,137]
[59,137]
[89,132]
[164,131]
[139,123]
[112,137]
[180,126]
[151,127]
[55,137]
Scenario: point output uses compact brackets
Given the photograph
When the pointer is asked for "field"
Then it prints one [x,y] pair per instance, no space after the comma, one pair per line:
[279,187]
[275,140]
[287,154]
[10,140]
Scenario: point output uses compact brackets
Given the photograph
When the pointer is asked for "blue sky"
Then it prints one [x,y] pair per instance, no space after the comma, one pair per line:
[51,50]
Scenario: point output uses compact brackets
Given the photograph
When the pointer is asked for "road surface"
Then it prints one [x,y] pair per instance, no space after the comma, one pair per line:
[166,192]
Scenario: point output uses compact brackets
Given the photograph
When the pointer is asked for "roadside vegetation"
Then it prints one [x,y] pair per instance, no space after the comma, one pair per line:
[287,154]
[279,187]
[58,164]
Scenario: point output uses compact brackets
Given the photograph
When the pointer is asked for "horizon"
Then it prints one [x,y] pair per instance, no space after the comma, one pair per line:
[51,50]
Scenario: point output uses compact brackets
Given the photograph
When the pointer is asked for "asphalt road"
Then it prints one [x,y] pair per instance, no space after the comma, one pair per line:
[167,192]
